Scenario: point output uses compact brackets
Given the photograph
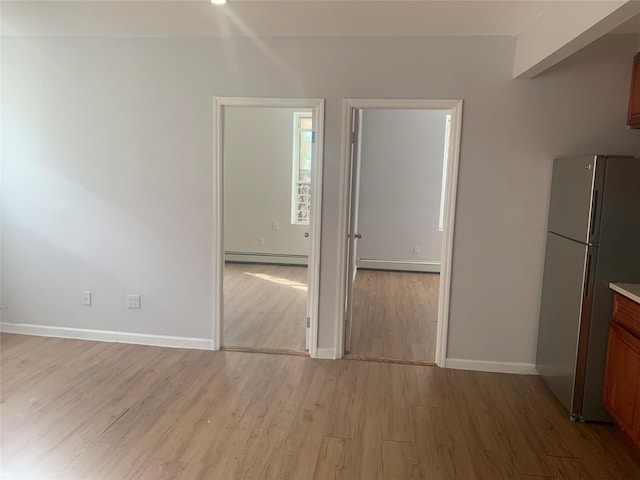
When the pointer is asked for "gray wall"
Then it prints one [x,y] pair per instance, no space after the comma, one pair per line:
[107,168]
[258,156]
[400,184]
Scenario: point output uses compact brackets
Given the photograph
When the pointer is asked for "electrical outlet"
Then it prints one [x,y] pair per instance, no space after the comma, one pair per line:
[260,240]
[133,301]
[86,298]
[416,248]
[275,225]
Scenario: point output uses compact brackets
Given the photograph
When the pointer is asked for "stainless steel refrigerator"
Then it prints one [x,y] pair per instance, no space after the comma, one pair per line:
[593,239]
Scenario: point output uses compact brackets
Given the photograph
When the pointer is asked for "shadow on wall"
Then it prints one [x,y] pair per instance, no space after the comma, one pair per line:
[63,239]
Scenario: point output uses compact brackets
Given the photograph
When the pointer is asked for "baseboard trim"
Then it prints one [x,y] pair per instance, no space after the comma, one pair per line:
[258,257]
[496,367]
[327,354]
[398,265]
[108,336]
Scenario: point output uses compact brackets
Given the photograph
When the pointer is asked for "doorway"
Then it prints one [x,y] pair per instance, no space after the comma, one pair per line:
[267,169]
[402,158]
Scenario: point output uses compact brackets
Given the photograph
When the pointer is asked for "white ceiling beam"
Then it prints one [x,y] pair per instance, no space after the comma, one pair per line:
[565,27]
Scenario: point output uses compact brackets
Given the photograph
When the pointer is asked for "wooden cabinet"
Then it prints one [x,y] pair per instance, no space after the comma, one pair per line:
[633,119]
[622,377]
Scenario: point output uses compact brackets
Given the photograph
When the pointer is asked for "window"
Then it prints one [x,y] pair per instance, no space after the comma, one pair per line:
[445,166]
[302,156]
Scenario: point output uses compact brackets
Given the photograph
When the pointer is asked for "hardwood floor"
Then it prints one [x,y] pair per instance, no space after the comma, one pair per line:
[395,315]
[74,409]
[265,306]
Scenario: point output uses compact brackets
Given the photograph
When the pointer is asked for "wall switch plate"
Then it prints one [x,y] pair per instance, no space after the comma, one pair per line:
[86,298]
[133,301]
[416,248]
[260,240]
[276,225]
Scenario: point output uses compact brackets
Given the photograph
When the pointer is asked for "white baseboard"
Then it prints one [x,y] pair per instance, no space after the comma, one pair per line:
[258,257]
[497,367]
[399,265]
[327,353]
[108,336]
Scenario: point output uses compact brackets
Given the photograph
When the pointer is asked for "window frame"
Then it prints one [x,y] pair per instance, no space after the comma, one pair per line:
[295,168]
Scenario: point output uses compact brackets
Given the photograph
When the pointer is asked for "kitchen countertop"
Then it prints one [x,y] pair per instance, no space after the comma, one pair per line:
[629,290]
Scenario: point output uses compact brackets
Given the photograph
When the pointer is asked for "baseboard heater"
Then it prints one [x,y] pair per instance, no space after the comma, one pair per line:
[270,258]
[398,265]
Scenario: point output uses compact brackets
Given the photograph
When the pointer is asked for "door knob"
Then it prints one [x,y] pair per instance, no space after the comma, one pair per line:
[357,235]
[306,234]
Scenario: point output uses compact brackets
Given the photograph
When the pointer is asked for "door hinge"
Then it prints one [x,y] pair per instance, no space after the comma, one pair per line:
[308,322]
[313,137]
[353,137]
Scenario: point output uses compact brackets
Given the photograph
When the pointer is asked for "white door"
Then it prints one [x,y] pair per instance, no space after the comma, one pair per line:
[310,229]
[353,234]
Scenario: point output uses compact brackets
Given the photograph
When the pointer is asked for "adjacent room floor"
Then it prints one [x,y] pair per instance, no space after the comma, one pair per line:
[395,315]
[74,409]
[265,306]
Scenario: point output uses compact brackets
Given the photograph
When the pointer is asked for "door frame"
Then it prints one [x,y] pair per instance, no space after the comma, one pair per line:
[455,105]
[316,105]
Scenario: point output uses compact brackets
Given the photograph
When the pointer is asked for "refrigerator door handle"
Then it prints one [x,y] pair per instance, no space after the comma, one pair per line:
[594,210]
[587,276]
[583,335]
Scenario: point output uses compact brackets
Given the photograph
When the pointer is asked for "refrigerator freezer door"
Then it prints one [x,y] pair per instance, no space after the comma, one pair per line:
[573,208]
[560,312]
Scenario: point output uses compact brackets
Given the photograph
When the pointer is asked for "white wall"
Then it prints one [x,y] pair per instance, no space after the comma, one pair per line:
[400,184]
[258,156]
[107,168]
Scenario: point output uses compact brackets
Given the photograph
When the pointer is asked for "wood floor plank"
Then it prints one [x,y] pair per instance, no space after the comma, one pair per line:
[228,417]
[491,465]
[76,395]
[368,428]
[400,461]
[306,434]
[88,464]
[156,470]
[335,460]
[127,411]
[441,453]
[348,400]
[516,440]
[395,315]
[265,306]
[400,396]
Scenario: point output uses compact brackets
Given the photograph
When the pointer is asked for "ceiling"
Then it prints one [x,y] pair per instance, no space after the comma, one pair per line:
[630,26]
[269,18]
[547,31]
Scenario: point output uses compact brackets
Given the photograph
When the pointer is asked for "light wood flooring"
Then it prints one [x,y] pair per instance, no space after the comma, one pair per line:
[265,306]
[74,409]
[395,315]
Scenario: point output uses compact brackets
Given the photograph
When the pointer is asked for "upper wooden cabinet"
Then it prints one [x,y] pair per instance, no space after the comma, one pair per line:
[633,119]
